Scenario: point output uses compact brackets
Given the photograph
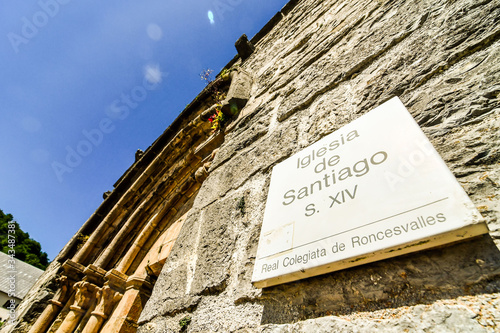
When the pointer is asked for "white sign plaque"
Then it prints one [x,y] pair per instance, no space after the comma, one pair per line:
[374,189]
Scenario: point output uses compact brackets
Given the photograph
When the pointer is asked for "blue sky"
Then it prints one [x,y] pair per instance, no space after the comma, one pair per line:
[83,85]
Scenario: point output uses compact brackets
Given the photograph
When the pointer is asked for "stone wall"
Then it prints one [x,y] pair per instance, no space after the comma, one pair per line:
[192,205]
[317,66]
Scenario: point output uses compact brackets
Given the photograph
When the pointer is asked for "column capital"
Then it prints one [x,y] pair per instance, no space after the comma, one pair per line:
[62,294]
[85,291]
[106,299]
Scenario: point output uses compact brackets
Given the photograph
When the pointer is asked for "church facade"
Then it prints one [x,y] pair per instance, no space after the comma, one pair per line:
[173,246]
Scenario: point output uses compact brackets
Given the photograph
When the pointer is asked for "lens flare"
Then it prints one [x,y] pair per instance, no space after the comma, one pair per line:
[211,17]
[154,31]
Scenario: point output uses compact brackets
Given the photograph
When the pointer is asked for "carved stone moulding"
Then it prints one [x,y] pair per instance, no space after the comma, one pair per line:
[140,284]
[116,280]
[73,270]
[94,274]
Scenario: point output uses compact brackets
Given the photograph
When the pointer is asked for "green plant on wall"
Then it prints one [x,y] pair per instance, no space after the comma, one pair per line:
[224,75]
[184,322]
[81,239]
[241,205]
[217,119]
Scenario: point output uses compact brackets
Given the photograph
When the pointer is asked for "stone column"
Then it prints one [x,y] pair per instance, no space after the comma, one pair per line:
[112,219]
[83,297]
[102,230]
[127,312]
[52,310]
[107,298]
[129,257]
[121,235]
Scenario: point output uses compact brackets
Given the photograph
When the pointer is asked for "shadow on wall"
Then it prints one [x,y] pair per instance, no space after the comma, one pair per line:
[464,269]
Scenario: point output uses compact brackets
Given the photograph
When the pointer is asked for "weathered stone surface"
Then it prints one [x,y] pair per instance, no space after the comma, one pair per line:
[215,249]
[260,157]
[438,317]
[170,291]
[323,65]
[243,135]
[238,94]
[414,279]
[244,47]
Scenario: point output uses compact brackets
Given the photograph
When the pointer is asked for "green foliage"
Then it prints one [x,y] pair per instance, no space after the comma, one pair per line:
[225,74]
[81,240]
[184,322]
[26,248]
[241,205]
[217,119]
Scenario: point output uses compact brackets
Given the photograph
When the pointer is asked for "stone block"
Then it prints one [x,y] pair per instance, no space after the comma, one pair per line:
[238,94]
[244,47]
